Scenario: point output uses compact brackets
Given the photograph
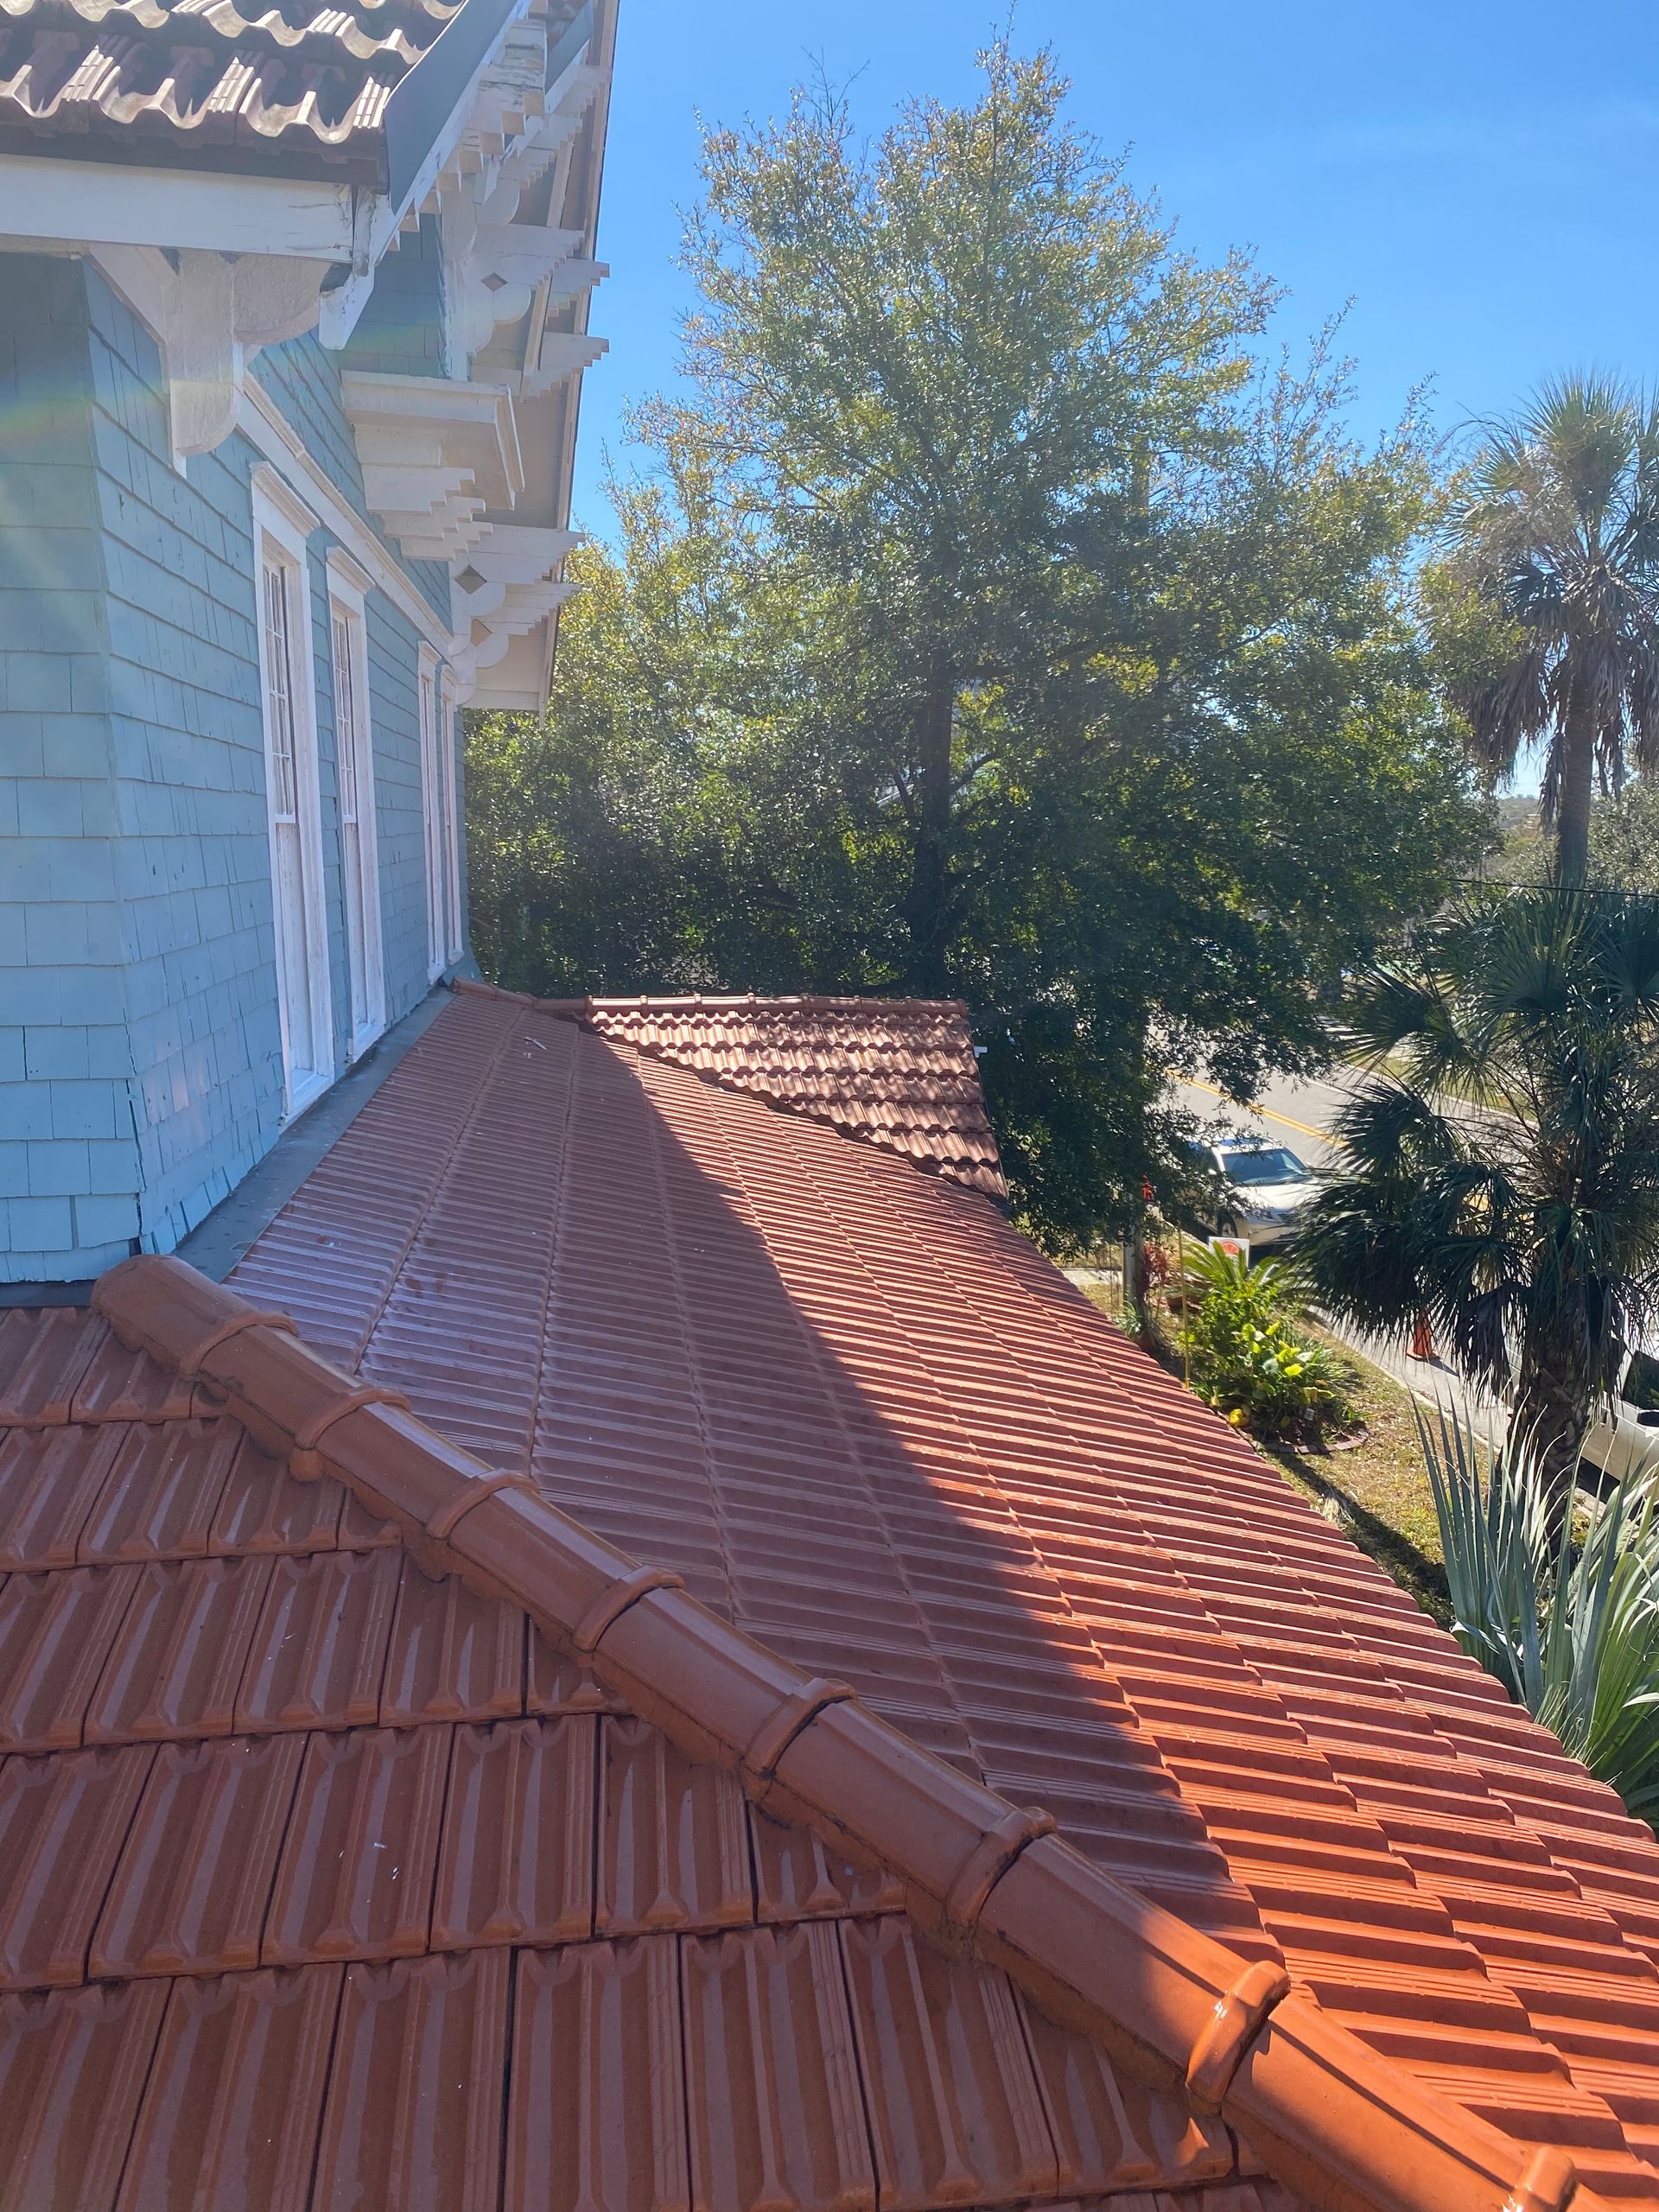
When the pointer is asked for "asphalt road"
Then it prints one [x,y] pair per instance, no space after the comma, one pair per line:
[1288,1112]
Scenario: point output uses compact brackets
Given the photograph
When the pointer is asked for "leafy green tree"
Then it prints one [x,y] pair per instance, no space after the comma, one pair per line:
[1623,844]
[1550,599]
[991,624]
[1499,1171]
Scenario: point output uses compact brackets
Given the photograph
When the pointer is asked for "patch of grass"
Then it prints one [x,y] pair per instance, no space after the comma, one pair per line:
[1376,1488]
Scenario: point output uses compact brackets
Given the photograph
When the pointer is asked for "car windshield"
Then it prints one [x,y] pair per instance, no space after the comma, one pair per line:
[1269,1164]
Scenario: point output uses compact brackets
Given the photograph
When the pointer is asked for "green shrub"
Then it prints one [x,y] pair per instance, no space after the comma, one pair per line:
[1247,1358]
[1570,1628]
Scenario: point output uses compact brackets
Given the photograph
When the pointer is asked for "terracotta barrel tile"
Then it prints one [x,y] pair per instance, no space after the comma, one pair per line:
[167,1308]
[1111,2132]
[851,1771]
[531,1551]
[317,1654]
[673,1837]
[55,1632]
[63,1824]
[1155,2015]
[190,1892]
[73,2066]
[231,2111]
[516,1865]
[776,2115]
[954,2110]
[1318,2106]
[48,1479]
[354,1880]
[160,1494]
[717,1688]
[452,1655]
[596,2118]
[42,1356]
[413,2116]
[274,1382]
[798,1878]
[178,1657]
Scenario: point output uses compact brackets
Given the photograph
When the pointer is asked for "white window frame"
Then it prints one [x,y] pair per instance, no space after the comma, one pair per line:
[283,526]
[448,743]
[348,586]
[427,709]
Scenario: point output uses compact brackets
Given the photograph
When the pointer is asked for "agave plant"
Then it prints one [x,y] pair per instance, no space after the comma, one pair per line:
[1569,1627]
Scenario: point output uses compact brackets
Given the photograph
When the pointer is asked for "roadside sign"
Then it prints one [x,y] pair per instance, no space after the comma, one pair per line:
[1231,1247]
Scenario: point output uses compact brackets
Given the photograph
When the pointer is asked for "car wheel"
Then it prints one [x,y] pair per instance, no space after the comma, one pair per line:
[1227,1225]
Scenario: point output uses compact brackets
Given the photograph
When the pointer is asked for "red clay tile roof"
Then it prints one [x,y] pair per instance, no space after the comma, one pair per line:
[296,86]
[320,1920]
[900,1073]
[325,1874]
[867,1421]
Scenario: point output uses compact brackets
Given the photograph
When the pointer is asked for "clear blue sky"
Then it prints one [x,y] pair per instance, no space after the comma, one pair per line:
[1481,177]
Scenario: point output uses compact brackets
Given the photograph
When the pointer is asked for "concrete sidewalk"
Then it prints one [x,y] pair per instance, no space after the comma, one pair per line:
[1429,1380]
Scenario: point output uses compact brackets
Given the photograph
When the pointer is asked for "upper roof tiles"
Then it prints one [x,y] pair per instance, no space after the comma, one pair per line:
[295,86]
[900,1073]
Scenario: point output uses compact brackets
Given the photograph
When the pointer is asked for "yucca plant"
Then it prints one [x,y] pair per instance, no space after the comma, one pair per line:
[1567,1620]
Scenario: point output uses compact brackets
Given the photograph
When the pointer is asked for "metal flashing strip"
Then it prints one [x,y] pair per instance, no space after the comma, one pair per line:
[218,1242]
[422,111]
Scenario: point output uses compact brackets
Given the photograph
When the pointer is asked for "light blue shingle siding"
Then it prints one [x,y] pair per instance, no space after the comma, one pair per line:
[140,1055]
[60,965]
[401,328]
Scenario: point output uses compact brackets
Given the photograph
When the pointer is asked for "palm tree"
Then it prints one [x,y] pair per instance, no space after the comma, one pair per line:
[1559,534]
[1498,1171]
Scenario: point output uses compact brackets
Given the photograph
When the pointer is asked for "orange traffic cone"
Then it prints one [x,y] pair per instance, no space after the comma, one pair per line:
[1422,1343]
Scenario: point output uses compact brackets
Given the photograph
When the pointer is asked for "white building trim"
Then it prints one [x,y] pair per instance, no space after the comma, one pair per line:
[282,524]
[432,811]
[449,748]
[360,854]
[110,203]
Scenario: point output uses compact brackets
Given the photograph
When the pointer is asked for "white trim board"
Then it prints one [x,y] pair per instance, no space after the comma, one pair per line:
[115,203]
[284,524]
[346,587]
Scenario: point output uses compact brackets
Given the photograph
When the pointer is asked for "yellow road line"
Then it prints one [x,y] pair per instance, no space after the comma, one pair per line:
[1286,1121]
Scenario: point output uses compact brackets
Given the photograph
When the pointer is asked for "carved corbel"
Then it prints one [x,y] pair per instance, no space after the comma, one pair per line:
[216,313]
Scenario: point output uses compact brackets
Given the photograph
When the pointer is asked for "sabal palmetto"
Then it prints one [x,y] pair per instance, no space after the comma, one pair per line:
[1561,532]
[1497,1171]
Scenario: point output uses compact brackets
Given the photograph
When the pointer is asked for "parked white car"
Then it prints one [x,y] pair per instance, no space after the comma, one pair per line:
[1257,1191]
[1630,1435]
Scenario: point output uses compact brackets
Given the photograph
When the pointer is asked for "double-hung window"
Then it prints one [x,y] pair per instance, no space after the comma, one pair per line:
[281,525]
[354,776]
